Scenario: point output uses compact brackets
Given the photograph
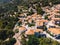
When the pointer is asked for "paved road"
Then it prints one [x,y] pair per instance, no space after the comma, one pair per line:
[16,37]
[48,36]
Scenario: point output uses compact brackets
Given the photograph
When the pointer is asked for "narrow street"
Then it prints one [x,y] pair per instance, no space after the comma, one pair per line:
[16,37]
[48,36]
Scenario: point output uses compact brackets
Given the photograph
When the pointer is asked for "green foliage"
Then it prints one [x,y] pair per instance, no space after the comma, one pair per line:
[46,17]
[8,19]
[45,41]
[44,28]
[10,33]
[8,7]
[39,10]
[32,40]
[55,1]
[31,24]
[19,23]
[7,34]
[11,41]
[49,33]
[23,40]
[4,34]
[30,13]
[48,41]
[55,43]
[57,16]
[8,22]
[16,31]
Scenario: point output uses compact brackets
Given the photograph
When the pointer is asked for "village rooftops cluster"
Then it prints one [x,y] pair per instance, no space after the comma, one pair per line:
[36,23]
[35,19]
[53,14]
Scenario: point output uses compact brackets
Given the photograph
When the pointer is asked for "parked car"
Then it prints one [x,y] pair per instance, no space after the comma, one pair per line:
[58,36]
[40,27]
[43,35]
[39,35]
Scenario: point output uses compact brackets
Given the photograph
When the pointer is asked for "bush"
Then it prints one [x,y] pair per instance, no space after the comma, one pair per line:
[4,34]
[31,24]
[11,41]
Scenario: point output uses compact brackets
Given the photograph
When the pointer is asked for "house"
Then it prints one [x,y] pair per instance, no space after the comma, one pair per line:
[36,16]
[50,24]
[22,29]
[36,32]
[57,6]
[39,30]
[30,20]
[29,32]
[40,23]
[54,31]
[39,33]
[32,31]
[55,19]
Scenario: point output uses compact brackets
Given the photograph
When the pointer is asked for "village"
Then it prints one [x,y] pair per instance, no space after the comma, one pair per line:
[46,25]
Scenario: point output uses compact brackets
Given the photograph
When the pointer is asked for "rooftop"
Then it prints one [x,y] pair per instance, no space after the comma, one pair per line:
[32,31]
[22,28]
[55,31]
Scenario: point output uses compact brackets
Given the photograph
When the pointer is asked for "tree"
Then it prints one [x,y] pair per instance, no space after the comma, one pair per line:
[19,23]
[30,13]
[32,40]
[11,41]
[4,34]
[40,11]
[55,1]
[55,43]
[16,31]
[23,40]
[44,28]
[48,41]
[46,17]
[10,33]
[31,24]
